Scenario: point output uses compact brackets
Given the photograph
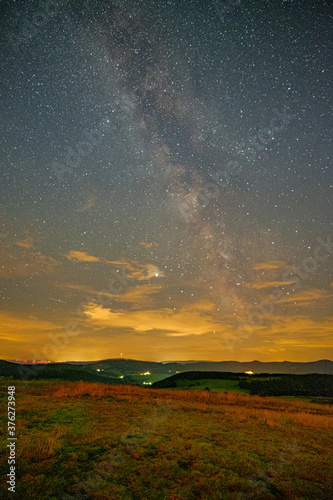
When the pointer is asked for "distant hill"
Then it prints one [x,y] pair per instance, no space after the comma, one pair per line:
[323,366]
[129,371]
[267,384]
[64,371]
[8,369]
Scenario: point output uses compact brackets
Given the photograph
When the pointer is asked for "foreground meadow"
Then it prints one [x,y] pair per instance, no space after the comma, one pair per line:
[89,440]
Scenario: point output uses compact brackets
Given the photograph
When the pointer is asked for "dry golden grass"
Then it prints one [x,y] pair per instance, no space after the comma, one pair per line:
[48,446]
[274,410]
[129,442]
[314,420]
[41,446]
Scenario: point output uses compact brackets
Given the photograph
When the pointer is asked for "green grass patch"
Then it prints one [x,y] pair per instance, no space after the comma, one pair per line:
[212,384]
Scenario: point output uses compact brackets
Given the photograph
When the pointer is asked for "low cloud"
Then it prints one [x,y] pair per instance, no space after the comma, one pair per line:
[285,329]
[195,319]
[24,330]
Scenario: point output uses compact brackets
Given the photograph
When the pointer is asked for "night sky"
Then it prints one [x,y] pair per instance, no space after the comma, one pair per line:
[166,180]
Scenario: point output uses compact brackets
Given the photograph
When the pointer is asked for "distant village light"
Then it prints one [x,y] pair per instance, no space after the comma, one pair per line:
[249,373]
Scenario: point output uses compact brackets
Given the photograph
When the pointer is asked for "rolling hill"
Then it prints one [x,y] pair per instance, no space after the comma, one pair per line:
[136,371]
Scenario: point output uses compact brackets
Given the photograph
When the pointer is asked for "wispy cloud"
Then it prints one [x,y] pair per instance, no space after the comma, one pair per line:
[137,296]
[268,284]
[141,271]
[145,244]
[27,242]
[22,258]
[271,264]
[80,288]
[136,270]
[85,206]
[193,319]
[306,297]
[82,256]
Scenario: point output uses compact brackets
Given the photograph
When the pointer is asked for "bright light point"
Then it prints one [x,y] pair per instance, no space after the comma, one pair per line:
[156,274]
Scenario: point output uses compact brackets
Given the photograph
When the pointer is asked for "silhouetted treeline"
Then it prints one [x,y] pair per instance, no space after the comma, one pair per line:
[290,385]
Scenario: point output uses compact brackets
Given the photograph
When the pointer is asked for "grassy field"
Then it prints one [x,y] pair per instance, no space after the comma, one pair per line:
[89,440]
[213,385]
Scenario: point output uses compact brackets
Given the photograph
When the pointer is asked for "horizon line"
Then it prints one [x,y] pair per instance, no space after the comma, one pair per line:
[164,361]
